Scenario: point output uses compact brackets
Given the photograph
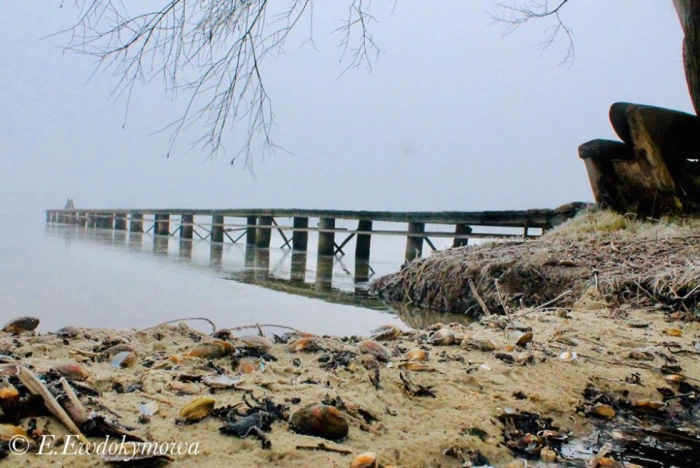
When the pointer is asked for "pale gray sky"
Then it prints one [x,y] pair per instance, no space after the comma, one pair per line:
[454,116]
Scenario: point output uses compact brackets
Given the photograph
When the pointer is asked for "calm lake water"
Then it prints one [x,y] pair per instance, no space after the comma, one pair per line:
[70,275]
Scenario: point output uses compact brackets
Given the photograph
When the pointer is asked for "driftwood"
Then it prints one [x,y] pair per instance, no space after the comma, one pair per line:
[654,171]
[689,15]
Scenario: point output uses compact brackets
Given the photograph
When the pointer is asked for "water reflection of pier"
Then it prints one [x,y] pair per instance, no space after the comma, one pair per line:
[256,269]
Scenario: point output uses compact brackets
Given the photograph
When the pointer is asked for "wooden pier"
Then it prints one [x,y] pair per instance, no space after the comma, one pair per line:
[256,225]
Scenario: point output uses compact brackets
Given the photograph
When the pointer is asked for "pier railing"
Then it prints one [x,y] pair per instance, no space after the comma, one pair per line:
[256,225]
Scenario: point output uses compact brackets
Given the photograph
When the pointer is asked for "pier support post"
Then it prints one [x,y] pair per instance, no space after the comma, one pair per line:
[185,248]
[120,222]
[187,227]
[300,239]
[48,217]
[326,240]
[90,220]
[136,222]
[362,245]
[160,245]
[217,228]
[298,274]
[414,244]
[216,255]
[162,225]
[252,222]
[324,273]
[262,264]
[105,221]
[263,232]
[461,229]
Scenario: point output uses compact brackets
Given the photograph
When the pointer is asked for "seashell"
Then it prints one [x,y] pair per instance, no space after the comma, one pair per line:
[365,460]
[320,421]
[9,400]
[248,366]
[638,323]
[211,350]
[603,410]
[641,355]
[257,342]
[73,371]
[461,336]
[386,332]
[368,361]
[197,409]
[673,332]
[674,378]
[116,349]
[521,339]
[148,409]
[21,324]
[8,431]
[415,367]
[552,435]
[522,358]
[307,343]
[650,404]
[418,355]
[188,388]
[220,381]
[568,356]
[519,463]
[442,337]
[548,455]
[124,359]
[67,332]
[375,349]
[481,345]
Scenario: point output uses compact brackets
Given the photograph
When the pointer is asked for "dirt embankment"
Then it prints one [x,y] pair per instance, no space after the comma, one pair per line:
[644,264]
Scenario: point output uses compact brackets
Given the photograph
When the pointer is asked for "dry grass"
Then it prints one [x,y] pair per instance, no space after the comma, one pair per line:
[646,263]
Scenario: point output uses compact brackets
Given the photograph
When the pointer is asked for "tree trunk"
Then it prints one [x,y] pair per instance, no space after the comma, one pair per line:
[689,15]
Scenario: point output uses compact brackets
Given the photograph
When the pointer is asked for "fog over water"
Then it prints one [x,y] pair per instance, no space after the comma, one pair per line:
[454,116]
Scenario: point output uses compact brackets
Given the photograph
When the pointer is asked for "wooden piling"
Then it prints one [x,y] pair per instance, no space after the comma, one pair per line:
[187,226]
[120,222]
[106,221]
[162,225]
[461,229]
[324,273]
[300,239]
[160,245]
[298,273]
[361,271]
[251,221]
[136,222]
[362,245]
[262,264]
[326,240]
[216,254]
[217,228]
[263,232]
[414,244]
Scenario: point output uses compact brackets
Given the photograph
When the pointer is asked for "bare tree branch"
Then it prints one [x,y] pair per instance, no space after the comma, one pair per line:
[522,11]
[213,51]
[210,50]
